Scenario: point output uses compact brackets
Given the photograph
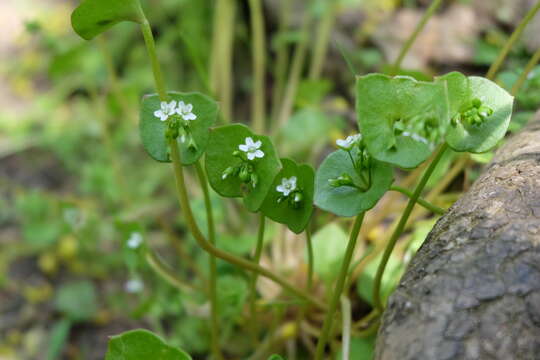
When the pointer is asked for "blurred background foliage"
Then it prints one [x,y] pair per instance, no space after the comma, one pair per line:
[76,185]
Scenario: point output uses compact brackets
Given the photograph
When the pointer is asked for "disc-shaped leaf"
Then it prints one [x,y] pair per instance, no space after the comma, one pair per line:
[346,200]
[152,129]
[462,136]
[142,345]
[224,141]
[400,118]
[92,17]
[283,212]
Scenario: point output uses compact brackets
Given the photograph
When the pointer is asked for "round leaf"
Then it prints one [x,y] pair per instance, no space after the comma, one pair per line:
[282,212]
[142,345]
[224,140]
[92,17]
[345,200]
[152,129]
[383,101]
[483,137]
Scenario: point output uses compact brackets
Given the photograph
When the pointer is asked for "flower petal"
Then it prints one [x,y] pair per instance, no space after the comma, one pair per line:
[259,154]
[243,147]
[249,141]
[257,144]
[250,156]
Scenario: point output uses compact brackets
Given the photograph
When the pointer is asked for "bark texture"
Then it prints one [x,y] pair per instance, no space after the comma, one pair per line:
[473,289]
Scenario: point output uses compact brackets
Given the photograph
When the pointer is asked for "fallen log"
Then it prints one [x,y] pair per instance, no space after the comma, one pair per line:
[473,289]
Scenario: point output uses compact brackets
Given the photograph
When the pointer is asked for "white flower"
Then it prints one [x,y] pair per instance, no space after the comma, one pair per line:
[252,149]
[185,111]
[134,286]
[135,240]
[349,142]
[416,137]
[287,186]
[167,109]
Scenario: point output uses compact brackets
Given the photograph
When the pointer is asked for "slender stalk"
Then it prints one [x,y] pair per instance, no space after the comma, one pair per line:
[207,246]
[282,59]
[225,59]
[511,41]
[166,273]
[336,294]
[298,61]
[310,258]
[346,331]
[528,68]
[431,207]
[401,226]
[254,276]
[214,310]
[321,44]
[259,65]
[156,69]
[419,27]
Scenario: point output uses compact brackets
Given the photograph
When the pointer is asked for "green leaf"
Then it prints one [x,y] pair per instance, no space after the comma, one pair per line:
[345,200]
[400,118]
[152,129]
[283,211]
[231,295]
[275,357]
[78,301]
[360,348]
[394,271]
[224,141]
[464,137]
[142,345]
[329,244]
[92,17]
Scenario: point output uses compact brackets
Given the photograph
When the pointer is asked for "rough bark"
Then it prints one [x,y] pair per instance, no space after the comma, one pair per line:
[473,289]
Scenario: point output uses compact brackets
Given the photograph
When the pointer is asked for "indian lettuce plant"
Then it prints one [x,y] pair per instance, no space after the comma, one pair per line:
[403,123]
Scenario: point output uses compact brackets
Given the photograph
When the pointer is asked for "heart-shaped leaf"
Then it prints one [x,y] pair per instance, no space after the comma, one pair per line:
[142,345]
[293,181]
[226,140]
[400,118]
[492,102]
[92,17]
[153,130]
[347,200]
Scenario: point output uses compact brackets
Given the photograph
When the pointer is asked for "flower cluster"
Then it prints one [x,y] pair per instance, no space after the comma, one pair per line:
[180,114]
[475,115]
[247,153]
[173,108]
[289,190]
[361,161]
[135,240]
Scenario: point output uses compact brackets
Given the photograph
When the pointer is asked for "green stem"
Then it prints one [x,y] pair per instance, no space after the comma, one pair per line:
[431,207]
[528,68]
[338,289]
[207,246]
[310,258]
[346,331]
[166,273]
[259,65]
[156,69]
[401,226]
[321,45]
[419,27]
[212,262]
[226,59]
[254,276]
[511,41]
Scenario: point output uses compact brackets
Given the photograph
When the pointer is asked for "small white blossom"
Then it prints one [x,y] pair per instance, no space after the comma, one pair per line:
[252,149]
[185,111]
[287,186]
[167,109]
[416,137]
[135,240]
[349,142]
[134,286]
